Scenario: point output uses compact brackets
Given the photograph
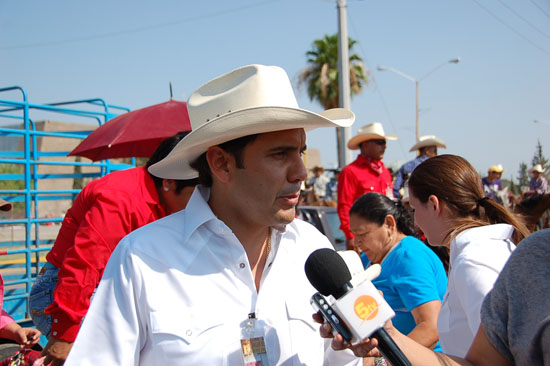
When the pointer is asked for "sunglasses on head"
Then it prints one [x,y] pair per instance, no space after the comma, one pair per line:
[379,142]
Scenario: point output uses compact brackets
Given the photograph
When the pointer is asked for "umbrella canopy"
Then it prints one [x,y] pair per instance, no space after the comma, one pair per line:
[135,134]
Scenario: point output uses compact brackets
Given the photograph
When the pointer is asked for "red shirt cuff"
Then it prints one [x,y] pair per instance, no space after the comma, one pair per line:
[63,327]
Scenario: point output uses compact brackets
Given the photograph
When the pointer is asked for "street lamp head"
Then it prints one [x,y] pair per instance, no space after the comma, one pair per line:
[455,60]
[381,68]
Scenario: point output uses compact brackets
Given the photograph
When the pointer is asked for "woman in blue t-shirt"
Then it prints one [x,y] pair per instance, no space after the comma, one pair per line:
[412,279]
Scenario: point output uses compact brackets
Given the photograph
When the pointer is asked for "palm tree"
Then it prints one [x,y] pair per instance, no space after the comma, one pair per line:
[321,74]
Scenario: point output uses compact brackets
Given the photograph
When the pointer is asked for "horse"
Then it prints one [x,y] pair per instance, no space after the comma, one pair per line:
[532,208]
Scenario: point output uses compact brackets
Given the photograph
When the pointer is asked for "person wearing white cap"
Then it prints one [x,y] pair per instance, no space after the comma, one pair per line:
[427,148]
[221,282]
[366,174]
[538,183]
[492,184]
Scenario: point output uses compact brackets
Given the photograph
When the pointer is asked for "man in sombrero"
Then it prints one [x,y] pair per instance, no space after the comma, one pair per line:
[426,146]
[221,282]
[366,174]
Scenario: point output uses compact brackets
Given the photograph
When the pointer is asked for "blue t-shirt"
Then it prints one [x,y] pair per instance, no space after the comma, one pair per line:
[411,275]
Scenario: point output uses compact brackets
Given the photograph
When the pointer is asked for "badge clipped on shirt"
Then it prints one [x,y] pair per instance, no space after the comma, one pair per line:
[253,343]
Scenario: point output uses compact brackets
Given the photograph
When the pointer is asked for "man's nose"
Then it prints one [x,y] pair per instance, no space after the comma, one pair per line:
[298,171]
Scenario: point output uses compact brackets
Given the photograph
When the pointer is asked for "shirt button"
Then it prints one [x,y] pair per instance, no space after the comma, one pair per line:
[242,265]
[56,321]
[54,333]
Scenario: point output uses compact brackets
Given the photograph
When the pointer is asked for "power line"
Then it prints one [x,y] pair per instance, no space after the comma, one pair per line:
[541,9]
[511,28]
[522,18]
[140,29]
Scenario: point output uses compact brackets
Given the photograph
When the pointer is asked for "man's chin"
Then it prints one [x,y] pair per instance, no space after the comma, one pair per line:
[285,217]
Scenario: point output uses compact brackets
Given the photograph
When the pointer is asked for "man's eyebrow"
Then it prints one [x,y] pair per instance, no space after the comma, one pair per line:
[287,148]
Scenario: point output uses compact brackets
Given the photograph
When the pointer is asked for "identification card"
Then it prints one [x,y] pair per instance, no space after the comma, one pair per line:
[253,343]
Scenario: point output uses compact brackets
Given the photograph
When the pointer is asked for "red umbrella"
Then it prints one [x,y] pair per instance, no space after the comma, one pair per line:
[135,134]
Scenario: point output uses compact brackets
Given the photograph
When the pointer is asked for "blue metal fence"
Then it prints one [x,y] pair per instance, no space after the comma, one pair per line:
[27,233]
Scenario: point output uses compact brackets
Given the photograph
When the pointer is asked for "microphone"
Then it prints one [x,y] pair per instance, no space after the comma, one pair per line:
[355,266]
[362,309]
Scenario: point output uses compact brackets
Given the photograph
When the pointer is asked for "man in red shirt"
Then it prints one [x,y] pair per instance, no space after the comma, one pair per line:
[105,211]
[366,174]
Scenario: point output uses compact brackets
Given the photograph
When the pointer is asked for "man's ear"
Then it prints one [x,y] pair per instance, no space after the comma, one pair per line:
[220,162]
[168,184]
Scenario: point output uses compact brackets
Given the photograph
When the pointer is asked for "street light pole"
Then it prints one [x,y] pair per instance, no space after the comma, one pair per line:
[417,84]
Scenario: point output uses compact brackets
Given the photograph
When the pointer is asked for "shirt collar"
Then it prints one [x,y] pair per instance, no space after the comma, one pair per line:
[198,213]
[486,232]
[421,158]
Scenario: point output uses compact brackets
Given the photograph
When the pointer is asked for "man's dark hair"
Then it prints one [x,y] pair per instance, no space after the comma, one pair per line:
[234,147]
[161,152]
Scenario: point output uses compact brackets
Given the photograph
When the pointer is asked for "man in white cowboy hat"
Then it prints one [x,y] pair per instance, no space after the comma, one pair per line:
[538,183]
[366,174]
[225,276]
[427,148]
[491,183]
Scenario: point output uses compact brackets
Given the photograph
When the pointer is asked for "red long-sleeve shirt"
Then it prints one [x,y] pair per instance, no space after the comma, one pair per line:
[355,180]
[103,213]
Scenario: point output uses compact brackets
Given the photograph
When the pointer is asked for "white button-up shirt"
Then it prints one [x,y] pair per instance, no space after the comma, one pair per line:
[477,256]
[179,290]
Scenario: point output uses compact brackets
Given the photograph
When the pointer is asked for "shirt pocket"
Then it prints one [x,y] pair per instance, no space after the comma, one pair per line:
[368,186]
[189,336]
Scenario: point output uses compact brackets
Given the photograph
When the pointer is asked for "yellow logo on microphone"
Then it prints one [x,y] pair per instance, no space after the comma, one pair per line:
[366,307]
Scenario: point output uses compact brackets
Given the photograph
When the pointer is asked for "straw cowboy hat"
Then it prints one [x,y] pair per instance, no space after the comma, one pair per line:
[537,168]
[425,141]
[496,168]
[5,205]
[373,131]
[250,100]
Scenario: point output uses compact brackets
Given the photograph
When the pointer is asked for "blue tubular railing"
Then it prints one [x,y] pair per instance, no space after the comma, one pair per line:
[25,240]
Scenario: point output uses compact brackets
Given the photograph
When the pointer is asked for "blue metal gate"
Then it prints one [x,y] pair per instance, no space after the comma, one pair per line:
[28,231]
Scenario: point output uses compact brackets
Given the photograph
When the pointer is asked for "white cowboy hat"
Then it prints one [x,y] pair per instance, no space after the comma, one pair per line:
[373,131]
[249,100]
[537,168]
[5,205]
[429,140]
[496,168]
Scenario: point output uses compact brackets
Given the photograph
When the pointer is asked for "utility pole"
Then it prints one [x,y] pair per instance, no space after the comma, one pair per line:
[343,134]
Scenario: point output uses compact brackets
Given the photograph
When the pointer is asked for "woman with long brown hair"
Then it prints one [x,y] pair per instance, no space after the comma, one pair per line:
[452,210]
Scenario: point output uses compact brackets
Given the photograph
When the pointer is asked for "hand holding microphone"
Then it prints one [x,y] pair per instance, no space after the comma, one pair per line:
[361,310]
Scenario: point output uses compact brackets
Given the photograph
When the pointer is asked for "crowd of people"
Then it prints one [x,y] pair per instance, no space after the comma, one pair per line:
[197,258]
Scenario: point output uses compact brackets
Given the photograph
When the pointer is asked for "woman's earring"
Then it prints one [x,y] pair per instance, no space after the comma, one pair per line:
[166,188]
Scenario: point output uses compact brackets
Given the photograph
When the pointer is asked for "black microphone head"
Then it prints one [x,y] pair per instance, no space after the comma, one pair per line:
[327,271]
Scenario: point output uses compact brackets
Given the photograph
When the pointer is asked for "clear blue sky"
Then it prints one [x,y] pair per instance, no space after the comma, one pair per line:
[127,52]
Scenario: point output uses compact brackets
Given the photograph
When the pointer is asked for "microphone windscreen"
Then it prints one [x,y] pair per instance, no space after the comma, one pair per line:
[327,272]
